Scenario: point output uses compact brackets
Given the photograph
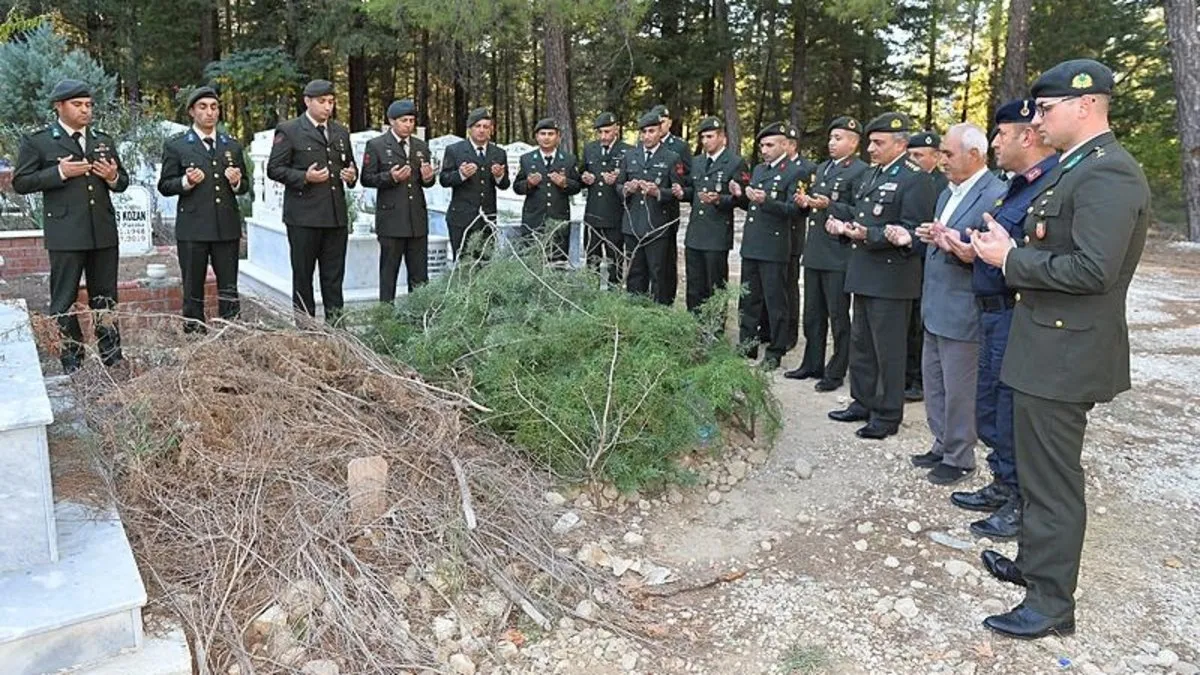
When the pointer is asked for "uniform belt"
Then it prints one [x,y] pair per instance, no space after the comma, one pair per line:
[995,303]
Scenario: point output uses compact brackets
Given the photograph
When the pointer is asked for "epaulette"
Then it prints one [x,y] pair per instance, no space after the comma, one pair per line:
[912,165]
[54,130]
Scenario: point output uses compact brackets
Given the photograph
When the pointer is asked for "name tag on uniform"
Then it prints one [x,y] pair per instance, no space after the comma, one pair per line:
[888,186]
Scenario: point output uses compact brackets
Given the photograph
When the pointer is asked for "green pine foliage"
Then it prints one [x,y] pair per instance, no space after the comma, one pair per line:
[33,64]
[591,383]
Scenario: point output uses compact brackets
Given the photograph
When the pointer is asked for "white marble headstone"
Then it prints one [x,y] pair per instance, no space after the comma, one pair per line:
[135,227]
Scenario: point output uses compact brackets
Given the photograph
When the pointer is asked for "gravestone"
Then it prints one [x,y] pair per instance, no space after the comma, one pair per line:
[135,225]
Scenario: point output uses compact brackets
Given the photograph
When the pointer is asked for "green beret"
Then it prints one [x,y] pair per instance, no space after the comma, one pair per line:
[201,93]
[477,115]
[69,89]
[318,88]
[546,123]
[401,108]
[650,119]
[892,122]
[772,129]
[925,139]
[604,119]
[847,123]
[660,111]
[710,124]
[1074,78]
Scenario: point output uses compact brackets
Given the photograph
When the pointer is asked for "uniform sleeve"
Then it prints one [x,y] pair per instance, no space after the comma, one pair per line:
[122,182]
[279,164]
[350,162]
[449,175]
[727,201]
[432,179]
[374,172]
[28,176]
[505,180]
[170,179]
[574,184]
[689,186]
[521,184]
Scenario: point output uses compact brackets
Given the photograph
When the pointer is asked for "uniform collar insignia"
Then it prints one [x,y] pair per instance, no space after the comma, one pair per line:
[1033,174]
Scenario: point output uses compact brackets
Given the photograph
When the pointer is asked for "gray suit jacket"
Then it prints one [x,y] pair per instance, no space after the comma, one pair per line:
[948,306]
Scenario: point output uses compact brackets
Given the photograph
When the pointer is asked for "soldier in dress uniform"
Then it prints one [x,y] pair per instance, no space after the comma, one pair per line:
[206,169]
[473,169]
[605,207]
[806,168]
[314,160]
[884,274]
[709,235]
[548,177]
[651,178]
[397,165]
[1069,344]
[76,167]
[826,303]
[766,245]
[924,148]
[679,147]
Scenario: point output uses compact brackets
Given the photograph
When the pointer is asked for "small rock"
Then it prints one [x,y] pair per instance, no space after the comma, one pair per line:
[1101,510]
[444,629]
[946,540]
[891,561]
[1149,647]
[586,609]
[1088,668]
[757,457]
[765,545]
[611,493]
[803,468]
[593,554]
[272,620]
[860,545]
[866,528]
[803,518]
[714,497]
[629,660]
[462,664]
[507,651]
[655,575]
[633,539]
[400,589]
[320,667]
[1167,658]
[555,499]
[674,497]
[993,606]
[913,526]
[565,523]
[302,597]
[907,608]
[738,468]
[957,568]
[620,566]
[1185,668]
[1173,562]
[885,605]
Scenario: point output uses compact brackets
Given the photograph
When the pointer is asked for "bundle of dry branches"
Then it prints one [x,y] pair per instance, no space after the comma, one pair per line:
[229,465]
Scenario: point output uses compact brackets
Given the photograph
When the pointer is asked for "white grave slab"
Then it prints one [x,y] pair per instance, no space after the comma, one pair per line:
[135,225]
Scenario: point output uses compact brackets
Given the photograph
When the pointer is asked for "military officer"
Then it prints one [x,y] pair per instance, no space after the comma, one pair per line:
[76,167]
[651,177]
[605,207]
[314,160]
[206,169]
[397,164]
[709,235]
[1069,344]
[679,147]
[924,149]
[884,274]
[473,169]
[826,303]
[806,168]
[766,245]
[548,177]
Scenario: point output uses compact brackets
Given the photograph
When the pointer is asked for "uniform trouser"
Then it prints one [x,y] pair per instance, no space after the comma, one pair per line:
[793,292]
[605,244]
[464,235]
[766,283]
[553,235]
[994,399]
[671,283]
[1049,442]
[314,248]
[648,262]
[878,334]
[826,306]
[413,252]
[194,259]
[914,350]
[707,271]
[100,268]
[950,370]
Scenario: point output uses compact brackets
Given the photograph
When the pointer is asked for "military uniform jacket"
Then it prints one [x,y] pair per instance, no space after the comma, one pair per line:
[468,196]
[646,216]
[805,169]
[840,182]
[899,194]
[768,230]
[297,146]
[208,210]
[605,207]
[710,227]
[399,207]
[1085,232]
[546,200]
[78,214]
[680,147]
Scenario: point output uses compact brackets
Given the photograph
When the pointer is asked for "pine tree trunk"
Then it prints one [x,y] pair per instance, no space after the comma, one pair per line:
[422,86]
[1183,30]
[799,62]
[931,40]
[973,14]
[356,72]
[1014,82]
[733,127]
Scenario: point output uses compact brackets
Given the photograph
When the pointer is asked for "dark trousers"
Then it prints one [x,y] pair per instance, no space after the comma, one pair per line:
[648,262]
[194,259]
[413,252]
[915,347]
[552,236]
[463,237]
[1049,442]
[671,283]
[994,399]
[878,334]
[767,296]
[314,248]
[707,271]
[793,291]
[100,267]
[826,306]
[605,244]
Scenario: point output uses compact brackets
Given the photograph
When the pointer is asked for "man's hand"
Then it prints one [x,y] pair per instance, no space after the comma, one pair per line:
[610,177]
[534,179]
[710,198]
[677,190]
[992,246]
[898,236]
[651,189]
[835,227]
[315,175]
[856,231]
[952,243]
[559,178]
[232,174]
[924,232]
[106,169]
[756,196]
[194,175]
[588,178]
[349,174]
[818,202]
[72,168]
[498,170]
[735,188]
[467,169]
[426,171]
[632,186]
[400,173]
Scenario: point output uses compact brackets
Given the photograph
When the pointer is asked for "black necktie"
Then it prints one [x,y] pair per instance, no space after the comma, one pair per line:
[648,155]
[403,150]
[321,130]
[482,155]
[548,158]
[708,164]
[212,146]
[77,137]
[604,152]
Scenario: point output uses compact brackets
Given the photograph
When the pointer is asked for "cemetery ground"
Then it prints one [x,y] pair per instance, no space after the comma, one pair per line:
[830,554]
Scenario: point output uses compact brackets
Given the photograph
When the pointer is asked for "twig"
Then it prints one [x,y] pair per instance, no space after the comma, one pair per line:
[465,490]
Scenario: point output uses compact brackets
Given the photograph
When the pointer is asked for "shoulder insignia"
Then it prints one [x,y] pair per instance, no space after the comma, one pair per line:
[54,132]
[894,170]
[224,138]
[912,165]
[1033,174]
[278,137]
[191,137]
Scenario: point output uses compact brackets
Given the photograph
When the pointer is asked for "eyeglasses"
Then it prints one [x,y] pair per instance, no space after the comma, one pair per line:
[1044,107]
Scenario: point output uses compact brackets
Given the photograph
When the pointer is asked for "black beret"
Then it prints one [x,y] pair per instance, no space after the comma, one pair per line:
[925,139]
[199,93]
[69,89]
[401,108]
[791,131]
[604,119]
[1019,111]
[846,122]
[546,123]
[710,124]
[318,88]
[890,121]
[650,119]
[477,115]
[772,129]
[1074,78]
[660,111]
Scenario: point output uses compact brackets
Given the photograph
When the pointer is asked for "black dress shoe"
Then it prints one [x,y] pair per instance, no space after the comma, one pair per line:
[71,364]
[1003,524]
[1001,567]
[989,498]
[914,394]
[770,363]
[944,474]
[801,374]
[877,431]
[926,461]
[1024,623]
[849,414]
[827,384]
